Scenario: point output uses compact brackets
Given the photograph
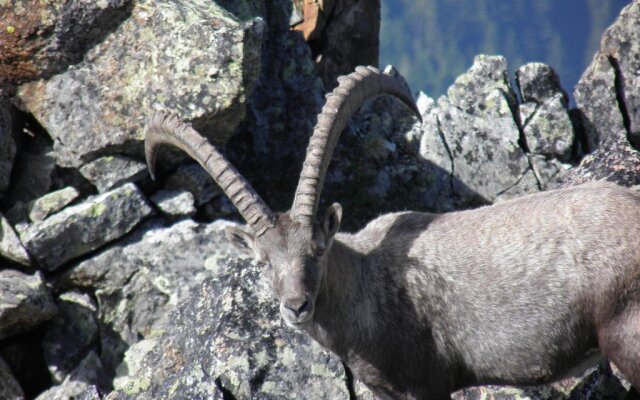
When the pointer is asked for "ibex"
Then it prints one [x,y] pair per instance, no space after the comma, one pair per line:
[419,305]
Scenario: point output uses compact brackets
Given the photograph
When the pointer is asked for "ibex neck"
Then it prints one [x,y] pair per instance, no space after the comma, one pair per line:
[341,304]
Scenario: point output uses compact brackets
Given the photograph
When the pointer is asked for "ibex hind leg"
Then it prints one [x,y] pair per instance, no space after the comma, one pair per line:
[619,340]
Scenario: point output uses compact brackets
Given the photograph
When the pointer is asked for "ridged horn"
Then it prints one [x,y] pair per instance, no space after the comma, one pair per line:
[341,104]
[164,129]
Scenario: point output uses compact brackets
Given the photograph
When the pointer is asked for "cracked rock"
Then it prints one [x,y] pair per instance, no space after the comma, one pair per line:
[191,57]
[607,94]
[548,128]
[25,302]
[474,127]
[84,227]
[10,246]
[51,203]
[106,173]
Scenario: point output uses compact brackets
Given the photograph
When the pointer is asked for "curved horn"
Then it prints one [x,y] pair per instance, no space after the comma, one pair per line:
[342,103]
[168,129]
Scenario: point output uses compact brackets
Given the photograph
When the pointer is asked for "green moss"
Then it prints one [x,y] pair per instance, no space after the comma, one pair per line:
[97,210]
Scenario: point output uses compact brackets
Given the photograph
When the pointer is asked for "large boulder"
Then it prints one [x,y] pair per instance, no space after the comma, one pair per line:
[42,38]
[248,353]
[191,57]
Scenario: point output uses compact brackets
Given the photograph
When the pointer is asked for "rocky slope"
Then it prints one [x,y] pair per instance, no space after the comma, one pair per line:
[116,286]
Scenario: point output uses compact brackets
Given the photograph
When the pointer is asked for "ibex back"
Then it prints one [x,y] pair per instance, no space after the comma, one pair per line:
[420,305]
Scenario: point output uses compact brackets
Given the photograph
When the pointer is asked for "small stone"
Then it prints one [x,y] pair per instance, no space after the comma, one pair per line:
[10,245]
[25,302]
[538,83]
[51,203]
[108,172]
[84,227]
[175,203]
[195,179]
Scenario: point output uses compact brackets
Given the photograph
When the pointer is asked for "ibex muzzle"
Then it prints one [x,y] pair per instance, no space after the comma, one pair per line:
[420,305]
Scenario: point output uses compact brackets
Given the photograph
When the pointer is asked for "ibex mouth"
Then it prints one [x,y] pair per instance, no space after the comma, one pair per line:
[296,312]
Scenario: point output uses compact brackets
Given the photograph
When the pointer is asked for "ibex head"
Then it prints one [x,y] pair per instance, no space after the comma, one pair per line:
[292,245]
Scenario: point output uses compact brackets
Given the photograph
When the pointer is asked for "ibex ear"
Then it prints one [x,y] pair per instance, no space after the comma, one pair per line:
[241,238]
[331,221]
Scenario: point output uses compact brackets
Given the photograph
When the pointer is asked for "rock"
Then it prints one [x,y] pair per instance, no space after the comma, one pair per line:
[70,334]
[25,302]
[473,135]
[196,180]
[191,57]
[248,354]
[615,160]
[7,142]
[44,38]
[547,128]
[87,226]
[175,203]
[9,388]
[10,246]
[51,203]
[108,172]
[607,93]
[82,381]
[157,267]
[538,83]
[596,383]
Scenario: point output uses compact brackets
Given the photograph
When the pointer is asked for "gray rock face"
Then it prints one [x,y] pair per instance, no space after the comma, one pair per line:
[175,203]
[191,57]
[70,334]
[10,246]
[51,203]
[25,302]
[475,127]
[607,92]
[157,267]
[32,177]
[85,227]
[9,387]
[108,172]
[46,37]
[7,144]
[249,354]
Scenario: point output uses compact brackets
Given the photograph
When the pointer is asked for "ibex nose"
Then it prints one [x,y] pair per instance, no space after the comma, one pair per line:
[297,306]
